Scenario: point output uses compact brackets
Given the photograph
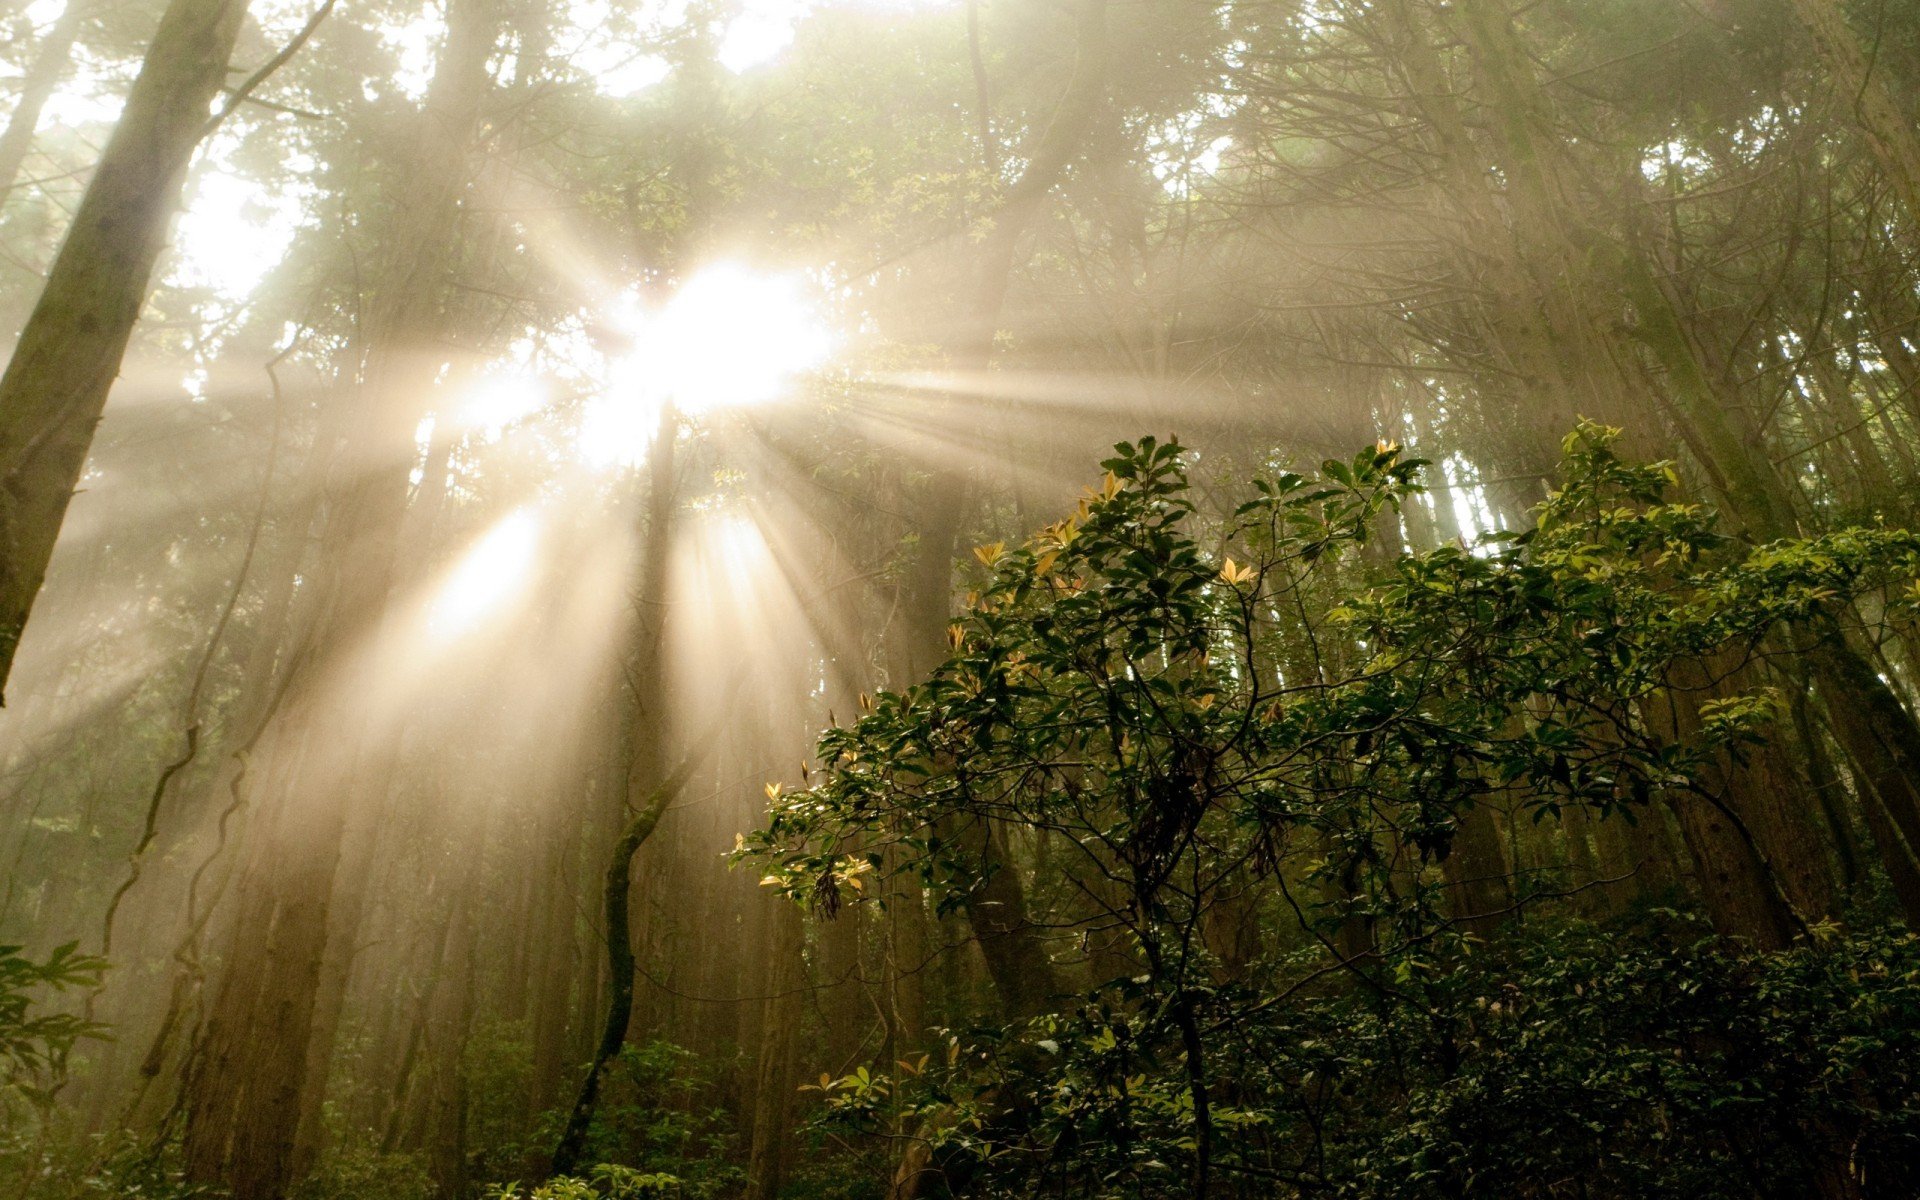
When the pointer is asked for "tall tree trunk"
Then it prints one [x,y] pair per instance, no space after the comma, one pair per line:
[69,352]
[774,1071]
[1761,867]
[1476,872]
[372,787]
[553,982]
[1869,722]
[451,1021]
[1017,963]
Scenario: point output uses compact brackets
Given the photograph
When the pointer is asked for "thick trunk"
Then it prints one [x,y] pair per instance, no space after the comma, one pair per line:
[1878,735]
[372,788]
[774,1071]
[1637,855]
[552,1003]
[69,352]
[450,1023]
[909,951]
[346,908]
[845,1012]
[1476,873]
[1017,960]
[260,1072]
[1759,860]
[1019,967]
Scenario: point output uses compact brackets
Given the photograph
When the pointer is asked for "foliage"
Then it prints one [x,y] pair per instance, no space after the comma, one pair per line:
[660,1123]
[605,1182]
[51,1161]
[350,1171]
[1293,725]
[1592,1062]
[1183,716]
[34,1043]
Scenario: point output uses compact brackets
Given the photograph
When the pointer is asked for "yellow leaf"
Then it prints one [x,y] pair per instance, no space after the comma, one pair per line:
[990,553]
[956,635]
[1046,562]
[1236,574]
[773,791]
[1111,487]
[769,881]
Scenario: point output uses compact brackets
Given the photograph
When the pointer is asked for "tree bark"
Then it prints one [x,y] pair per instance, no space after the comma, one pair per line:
[1476,873]
[775,1069]
[69,352]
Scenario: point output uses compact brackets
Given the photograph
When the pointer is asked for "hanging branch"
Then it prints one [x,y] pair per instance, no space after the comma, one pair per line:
[190,709]
[273,64]
[620,963]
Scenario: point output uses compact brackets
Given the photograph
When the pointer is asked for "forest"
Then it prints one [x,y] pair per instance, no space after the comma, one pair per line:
[916,599]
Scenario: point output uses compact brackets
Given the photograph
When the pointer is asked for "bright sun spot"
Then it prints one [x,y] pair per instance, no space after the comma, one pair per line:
[416,43]
[498,401]
[729,338]
[492,571]
[761,31]
[232,234]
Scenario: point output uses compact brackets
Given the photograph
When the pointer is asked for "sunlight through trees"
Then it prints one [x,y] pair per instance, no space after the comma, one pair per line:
[892,599]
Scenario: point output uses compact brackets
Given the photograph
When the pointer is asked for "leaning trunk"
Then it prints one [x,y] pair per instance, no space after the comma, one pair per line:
[69,353]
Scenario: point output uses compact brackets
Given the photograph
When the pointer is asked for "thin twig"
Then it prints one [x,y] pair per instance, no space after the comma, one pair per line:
[239,95]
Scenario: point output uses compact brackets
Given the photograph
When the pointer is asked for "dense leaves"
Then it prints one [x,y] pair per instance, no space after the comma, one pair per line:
[34,1042]
[1262,719]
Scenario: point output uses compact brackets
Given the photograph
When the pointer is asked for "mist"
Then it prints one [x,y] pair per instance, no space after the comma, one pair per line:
[891,599]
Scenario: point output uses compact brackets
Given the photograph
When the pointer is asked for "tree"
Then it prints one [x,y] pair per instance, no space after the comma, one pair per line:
[1117,685]
[56,384]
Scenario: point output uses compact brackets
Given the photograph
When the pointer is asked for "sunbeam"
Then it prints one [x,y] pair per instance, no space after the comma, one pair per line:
[494,572]
[777,599]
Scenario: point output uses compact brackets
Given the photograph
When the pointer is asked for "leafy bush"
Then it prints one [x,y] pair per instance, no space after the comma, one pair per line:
[34,1044]
[660,1127]
[1263,717]
[605,1182]
[351,1172]
[1585,1062]
[48,1160]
